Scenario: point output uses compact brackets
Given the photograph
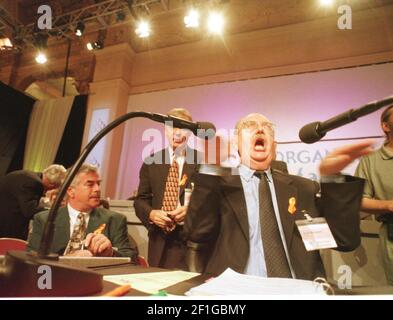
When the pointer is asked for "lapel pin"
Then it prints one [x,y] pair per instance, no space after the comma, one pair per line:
[292,205]
[100,229]
[183,180]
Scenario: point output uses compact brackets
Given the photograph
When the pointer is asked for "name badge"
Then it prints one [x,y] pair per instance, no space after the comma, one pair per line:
[316,233]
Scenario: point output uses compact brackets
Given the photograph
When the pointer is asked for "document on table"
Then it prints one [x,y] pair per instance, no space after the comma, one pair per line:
[233,283]
[151,282]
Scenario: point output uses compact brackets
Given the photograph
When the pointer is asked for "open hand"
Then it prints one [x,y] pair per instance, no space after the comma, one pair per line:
[339,158]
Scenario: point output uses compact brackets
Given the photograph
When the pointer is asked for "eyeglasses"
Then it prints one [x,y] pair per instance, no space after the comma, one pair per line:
[252,125]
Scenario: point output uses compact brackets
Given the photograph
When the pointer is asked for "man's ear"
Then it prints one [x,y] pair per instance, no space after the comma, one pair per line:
[386,127]
[71,192]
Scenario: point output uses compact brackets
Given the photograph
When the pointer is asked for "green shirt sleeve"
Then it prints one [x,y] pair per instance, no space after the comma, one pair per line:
[363,170]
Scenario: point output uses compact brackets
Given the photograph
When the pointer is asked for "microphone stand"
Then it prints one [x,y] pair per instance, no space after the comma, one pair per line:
[315,131]
[25,274]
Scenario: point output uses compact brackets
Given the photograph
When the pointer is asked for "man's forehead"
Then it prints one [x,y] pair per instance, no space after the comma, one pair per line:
[255,117]
[89,176]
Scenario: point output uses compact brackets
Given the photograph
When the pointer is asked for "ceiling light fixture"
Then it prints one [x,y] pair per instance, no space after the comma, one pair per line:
[80,27]
[143,29]
[191,20]
[215,23]
[41,58]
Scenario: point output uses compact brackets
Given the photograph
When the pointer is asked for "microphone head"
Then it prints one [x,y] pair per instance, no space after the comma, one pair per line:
[310,134]
[206,130]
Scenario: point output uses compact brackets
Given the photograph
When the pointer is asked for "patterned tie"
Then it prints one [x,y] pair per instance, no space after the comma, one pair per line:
[77,236]
[171,194]
[275,258]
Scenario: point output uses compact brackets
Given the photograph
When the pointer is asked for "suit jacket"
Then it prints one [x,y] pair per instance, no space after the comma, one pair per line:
[20,193]
[115,231]
[152,180]
[217,218]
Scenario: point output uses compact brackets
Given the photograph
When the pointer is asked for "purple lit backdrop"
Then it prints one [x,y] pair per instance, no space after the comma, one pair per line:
[288,101]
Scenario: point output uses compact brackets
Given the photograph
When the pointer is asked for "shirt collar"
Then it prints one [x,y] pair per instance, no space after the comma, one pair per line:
[247,173]
[74,213]
[172,153]
[386,153]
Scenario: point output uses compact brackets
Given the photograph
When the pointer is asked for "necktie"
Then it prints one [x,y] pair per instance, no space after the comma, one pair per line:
[171,194]
[77,236]
[275,258]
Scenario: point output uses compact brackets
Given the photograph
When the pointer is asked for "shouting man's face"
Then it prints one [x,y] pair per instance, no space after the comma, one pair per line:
[256,141]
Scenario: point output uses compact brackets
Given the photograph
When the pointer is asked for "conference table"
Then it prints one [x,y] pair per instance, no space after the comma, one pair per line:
[182,287]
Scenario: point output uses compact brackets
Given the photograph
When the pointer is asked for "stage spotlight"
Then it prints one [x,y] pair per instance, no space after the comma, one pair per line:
[89,46]
[41,58]
[215,23]
[80,27]
[5,44]
[326,2]
[143,29]
[191,20]
[97,45]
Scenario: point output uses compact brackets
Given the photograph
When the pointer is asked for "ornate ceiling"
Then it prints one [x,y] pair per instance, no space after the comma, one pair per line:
[166,17]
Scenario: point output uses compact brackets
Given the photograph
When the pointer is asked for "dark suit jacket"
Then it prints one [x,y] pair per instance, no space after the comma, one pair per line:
[153,175]
[115,231]
[280,166]
[20,193]
[217,218]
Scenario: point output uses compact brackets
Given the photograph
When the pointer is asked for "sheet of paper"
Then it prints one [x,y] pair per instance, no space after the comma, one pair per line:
[151,282]
[233,283]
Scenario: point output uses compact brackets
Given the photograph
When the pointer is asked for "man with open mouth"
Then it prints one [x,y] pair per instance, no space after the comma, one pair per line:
[247,221]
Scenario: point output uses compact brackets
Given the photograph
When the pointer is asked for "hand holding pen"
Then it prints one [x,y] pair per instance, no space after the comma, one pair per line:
[98,244]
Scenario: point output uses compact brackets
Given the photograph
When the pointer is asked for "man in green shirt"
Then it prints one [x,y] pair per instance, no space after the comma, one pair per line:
[377,169]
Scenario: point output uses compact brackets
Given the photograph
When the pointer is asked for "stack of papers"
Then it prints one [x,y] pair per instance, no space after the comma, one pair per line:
[233,283]
[151,282]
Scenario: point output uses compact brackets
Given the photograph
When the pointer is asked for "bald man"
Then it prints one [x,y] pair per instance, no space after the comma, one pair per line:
[245,221]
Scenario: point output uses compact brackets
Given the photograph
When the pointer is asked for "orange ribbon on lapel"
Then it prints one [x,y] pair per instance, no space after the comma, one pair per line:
[292,205]
[183,180]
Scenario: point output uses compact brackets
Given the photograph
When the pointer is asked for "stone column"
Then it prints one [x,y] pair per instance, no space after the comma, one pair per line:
[110,90]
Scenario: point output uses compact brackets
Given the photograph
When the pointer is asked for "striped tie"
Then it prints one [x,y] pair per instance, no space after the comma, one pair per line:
[276,260]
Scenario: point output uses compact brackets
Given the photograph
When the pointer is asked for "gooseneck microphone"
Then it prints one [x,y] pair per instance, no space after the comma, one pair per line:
[315,131]
[204,130]
[20,271]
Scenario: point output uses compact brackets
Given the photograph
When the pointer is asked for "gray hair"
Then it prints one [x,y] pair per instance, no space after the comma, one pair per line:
[55,174]
[85,168]
[181,113]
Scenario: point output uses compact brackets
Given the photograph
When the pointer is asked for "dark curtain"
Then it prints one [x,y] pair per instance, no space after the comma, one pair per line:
[15,110]
[71,141]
